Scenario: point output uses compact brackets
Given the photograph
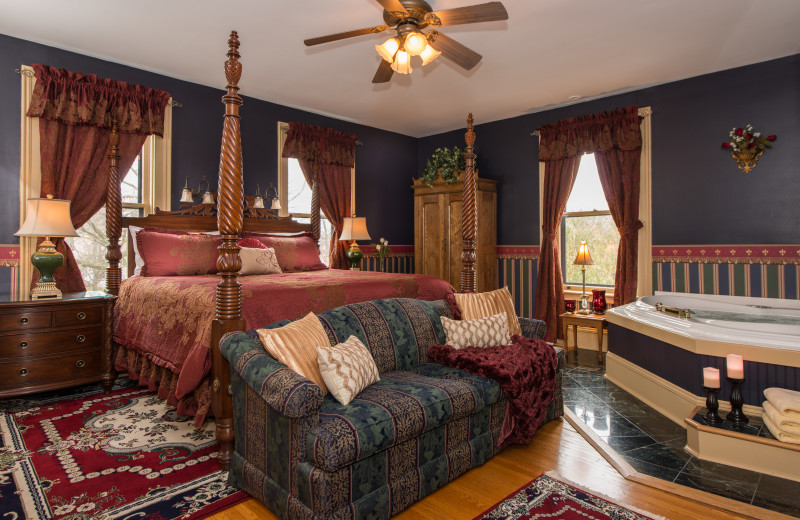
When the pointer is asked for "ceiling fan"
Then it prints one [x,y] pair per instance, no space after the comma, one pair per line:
[408,18]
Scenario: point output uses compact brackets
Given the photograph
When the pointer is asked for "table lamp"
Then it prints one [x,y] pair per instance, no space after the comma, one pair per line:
[583,259]
[355,228]
[47,218]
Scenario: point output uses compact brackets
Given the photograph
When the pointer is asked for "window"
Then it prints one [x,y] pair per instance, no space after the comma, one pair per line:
[588,219]
[295,195]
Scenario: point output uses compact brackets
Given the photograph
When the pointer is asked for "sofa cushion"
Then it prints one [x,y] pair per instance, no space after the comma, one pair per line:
[482,332]
[399,407]
[481,305]
[347,368]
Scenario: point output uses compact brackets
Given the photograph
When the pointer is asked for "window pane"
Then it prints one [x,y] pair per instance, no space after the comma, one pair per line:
[602,237]
[587,192]
[132,182]
[299,192]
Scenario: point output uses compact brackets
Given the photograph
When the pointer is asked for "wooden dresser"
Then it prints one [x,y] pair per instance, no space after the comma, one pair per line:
[437,232]
[49,344]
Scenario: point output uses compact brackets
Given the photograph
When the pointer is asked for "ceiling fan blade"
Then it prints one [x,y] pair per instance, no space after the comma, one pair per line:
[488,12]
[454,51]
[384,72]
[343,35]
[393,6]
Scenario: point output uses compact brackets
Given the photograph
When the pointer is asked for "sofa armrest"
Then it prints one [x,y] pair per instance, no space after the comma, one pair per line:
[532,328]
[284,390]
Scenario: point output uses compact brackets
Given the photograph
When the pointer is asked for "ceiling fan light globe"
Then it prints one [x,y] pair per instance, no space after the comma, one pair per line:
[388,49]
[415,43]
[429,54]
[402,63]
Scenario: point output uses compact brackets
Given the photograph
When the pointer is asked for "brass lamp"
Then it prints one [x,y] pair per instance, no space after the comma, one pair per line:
[583,259]
[258,200]
[47,218]
[355,228]
[188,194]
[272,194]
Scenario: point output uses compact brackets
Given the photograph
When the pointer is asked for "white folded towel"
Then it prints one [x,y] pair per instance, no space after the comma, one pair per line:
[786,401]
[783,422]
[780,434]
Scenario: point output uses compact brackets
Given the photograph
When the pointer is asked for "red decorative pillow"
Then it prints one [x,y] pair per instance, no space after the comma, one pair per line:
[252,243]
[294,252]
[177,254]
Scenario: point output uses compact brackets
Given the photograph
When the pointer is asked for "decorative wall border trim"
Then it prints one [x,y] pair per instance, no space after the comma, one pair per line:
[518,252]
[728,254]
[9,257]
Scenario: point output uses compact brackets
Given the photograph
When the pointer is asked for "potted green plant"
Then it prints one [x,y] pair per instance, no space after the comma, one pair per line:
[445,162]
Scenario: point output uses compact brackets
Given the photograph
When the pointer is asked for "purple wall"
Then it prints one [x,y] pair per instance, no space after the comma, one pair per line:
[699,195]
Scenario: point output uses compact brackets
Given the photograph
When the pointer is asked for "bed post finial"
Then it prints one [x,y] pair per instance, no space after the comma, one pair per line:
[113,212]
[229,222]
[469,219]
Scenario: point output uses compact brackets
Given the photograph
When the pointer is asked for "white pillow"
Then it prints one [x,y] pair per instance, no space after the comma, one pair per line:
[256,260]
[138,262]
[347,369]
[483,332]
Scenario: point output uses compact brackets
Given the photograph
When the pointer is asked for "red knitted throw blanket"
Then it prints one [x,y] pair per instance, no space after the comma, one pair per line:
[526,372]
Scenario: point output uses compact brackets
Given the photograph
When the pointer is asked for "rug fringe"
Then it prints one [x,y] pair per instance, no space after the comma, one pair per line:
[556,476]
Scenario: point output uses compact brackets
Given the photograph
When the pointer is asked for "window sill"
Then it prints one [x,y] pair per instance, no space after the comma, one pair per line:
[572,292]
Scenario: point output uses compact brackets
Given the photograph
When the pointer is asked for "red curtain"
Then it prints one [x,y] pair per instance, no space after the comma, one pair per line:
[75,112]
[616,140]
[333,153]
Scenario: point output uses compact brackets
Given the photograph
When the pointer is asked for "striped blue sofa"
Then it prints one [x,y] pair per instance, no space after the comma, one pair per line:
[306,456]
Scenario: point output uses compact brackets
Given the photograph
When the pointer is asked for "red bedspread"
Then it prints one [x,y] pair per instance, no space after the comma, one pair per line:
[167,320]
[526,371]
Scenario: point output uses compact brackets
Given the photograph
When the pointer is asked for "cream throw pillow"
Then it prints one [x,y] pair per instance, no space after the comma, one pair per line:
[296,344]
[483,332]
[347,369]
[259,261]
[481,305]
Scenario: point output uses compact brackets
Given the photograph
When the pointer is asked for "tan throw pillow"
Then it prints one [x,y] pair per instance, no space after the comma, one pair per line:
[481,305]
[295,345]
[347,368]
[259,261]
[483,332]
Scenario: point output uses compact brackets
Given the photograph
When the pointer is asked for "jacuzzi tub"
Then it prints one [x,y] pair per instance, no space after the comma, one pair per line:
[758,322]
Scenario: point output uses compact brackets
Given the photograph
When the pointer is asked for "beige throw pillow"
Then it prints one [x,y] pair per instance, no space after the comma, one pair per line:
[347,369]
[296,344]
[258,261]
[483,332]
[481,305]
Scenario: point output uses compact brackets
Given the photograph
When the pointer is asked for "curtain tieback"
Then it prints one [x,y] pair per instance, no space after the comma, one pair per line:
[550,236]
[629,230]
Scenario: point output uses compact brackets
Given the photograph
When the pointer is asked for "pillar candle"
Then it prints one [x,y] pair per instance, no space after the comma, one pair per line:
[710,377]
[735,366]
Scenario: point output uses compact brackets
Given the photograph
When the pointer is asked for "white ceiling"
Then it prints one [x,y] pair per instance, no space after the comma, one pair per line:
[547,51]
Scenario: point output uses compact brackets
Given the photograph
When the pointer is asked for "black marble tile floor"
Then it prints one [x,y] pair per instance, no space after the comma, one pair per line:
[653,444]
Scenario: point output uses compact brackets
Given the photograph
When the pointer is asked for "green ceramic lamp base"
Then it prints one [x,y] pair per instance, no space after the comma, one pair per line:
[46,260]
[354,254]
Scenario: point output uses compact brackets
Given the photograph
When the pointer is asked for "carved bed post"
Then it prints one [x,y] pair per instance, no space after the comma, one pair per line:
[113,213]
[229,223]
[469,219]
[315,229]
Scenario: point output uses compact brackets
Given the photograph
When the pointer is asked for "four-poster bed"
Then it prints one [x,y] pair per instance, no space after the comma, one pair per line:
[235,215]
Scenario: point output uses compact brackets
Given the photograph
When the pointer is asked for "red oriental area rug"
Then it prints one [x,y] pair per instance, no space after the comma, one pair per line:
[548,497]
[90,455]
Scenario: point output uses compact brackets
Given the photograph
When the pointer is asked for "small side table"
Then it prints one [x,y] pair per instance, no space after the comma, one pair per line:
[596,321]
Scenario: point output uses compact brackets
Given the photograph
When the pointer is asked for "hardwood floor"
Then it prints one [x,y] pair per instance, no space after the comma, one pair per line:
[556,447]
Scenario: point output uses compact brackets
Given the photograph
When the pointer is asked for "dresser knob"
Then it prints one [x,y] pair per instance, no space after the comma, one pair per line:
[80,363]
[23,321]
[81,315]
[23,344]
[81,338]
[23,371]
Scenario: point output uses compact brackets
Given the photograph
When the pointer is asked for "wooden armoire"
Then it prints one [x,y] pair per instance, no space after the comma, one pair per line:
[437,232]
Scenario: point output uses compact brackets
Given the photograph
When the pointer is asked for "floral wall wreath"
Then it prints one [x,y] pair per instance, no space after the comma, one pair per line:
[747,146]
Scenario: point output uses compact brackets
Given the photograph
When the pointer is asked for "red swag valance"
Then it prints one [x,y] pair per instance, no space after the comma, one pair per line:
[78,99]
[321,145]
[592,133]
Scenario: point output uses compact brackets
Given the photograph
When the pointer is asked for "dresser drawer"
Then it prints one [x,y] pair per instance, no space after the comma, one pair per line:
[34,371]
[79,315]
[49,343]
[23,320]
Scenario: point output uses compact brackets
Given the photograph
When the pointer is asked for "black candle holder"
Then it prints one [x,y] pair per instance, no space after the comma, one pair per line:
[736,414]
[712,417]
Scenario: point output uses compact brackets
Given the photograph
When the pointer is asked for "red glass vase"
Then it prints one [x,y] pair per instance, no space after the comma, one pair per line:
[599,304]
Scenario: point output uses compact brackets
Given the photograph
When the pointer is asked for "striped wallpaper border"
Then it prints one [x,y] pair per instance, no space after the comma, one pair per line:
[729,279]
[9,257]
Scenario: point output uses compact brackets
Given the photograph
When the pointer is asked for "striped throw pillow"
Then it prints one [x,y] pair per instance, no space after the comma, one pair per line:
[481,305]
[347,369]
[483,332]
[296,344]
